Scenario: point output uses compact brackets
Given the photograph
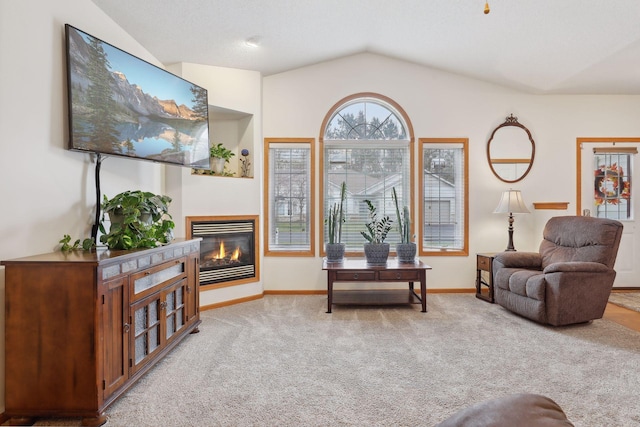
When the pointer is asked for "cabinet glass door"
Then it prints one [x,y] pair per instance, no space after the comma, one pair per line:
[146,327]
[174,308]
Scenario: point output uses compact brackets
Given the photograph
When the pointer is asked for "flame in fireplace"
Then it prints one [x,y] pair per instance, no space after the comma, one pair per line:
[222,254]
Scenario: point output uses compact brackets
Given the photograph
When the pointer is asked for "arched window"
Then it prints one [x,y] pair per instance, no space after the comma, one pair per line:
[367,142]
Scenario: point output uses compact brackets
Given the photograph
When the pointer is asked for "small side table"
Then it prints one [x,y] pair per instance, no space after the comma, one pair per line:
[484,277]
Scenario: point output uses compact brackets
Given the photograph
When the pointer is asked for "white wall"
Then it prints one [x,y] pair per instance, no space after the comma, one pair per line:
[46,190]
[204,195]
[445,105]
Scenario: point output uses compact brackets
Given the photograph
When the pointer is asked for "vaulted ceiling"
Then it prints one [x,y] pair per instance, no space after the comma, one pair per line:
[537,46]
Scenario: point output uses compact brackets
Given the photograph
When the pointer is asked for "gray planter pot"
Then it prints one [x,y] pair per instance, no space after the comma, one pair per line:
[217,165]
[376,253]
[117,217]
[406,252]
[335,252]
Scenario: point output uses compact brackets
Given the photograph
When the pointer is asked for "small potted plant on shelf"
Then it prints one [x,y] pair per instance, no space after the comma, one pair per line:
[220,156]
[335,248]
[375,250]
[406,249]
[139,219]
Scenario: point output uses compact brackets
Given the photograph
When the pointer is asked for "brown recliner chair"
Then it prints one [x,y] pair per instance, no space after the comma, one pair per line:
[569,280]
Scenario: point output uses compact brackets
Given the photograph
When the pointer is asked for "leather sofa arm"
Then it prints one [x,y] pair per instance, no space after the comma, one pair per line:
[576,267]
[527,260]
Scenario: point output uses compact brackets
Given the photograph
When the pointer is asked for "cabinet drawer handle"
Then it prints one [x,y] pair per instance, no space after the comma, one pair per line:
[126,328]
[355,276]
[398,275]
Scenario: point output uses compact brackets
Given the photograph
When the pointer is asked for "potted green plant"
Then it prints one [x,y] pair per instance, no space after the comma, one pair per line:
[335,248]
[220,156]
[139,219]
[406,249]
[376,251]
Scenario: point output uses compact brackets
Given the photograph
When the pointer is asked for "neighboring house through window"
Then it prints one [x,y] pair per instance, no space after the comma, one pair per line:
[289,197]
[444,194]
[366,142]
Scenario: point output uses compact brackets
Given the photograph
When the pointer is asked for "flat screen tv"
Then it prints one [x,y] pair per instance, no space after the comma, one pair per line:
[122,105]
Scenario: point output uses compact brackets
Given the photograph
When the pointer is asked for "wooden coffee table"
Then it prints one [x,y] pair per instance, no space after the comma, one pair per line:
[357,270]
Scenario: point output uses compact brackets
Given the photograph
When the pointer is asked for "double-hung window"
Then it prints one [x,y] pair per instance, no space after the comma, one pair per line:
[444,213]
[289,197]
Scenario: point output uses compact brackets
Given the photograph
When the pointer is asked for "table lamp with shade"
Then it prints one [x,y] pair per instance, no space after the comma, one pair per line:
[511,202]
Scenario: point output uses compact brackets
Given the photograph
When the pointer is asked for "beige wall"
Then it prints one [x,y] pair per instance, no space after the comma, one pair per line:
[196,195]
[445,105]
[47,191]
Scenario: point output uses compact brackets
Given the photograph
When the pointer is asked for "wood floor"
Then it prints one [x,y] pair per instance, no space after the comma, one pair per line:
[614,313]
[623,316]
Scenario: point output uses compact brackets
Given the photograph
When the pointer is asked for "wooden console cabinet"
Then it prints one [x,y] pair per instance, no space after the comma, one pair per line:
[81,327]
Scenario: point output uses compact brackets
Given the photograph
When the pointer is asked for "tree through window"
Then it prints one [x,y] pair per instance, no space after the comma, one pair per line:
[289,196]
[366,143]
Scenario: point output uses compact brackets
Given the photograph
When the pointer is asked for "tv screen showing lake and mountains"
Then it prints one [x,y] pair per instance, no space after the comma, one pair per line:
[122,105]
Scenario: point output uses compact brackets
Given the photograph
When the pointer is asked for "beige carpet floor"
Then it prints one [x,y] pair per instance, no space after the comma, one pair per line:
[283,361]
[630,300]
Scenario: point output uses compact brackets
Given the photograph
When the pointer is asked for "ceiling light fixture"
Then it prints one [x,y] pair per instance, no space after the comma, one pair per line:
[486,8]
[252,41]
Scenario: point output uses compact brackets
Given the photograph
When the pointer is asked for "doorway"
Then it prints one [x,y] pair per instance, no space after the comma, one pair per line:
[606,189]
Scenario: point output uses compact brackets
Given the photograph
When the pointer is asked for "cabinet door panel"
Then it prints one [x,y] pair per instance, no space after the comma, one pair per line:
[147,335]
[193,279]
[115,326]
[175,310]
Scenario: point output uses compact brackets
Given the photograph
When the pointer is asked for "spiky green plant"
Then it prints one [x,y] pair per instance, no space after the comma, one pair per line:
[377,229]
[336,217]
[404,219]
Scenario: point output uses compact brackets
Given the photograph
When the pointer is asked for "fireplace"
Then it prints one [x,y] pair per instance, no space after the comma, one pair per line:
[228,251]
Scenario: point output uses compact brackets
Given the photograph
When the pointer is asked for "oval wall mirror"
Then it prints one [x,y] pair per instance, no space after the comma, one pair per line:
[510,150]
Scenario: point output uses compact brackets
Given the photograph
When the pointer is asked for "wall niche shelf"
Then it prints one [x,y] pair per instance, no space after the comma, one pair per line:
[551,205]
[234,129]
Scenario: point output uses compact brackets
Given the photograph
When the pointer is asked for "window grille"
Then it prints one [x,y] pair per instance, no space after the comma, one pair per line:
[365,145]
[444,197]
[289,206]
[612,183]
